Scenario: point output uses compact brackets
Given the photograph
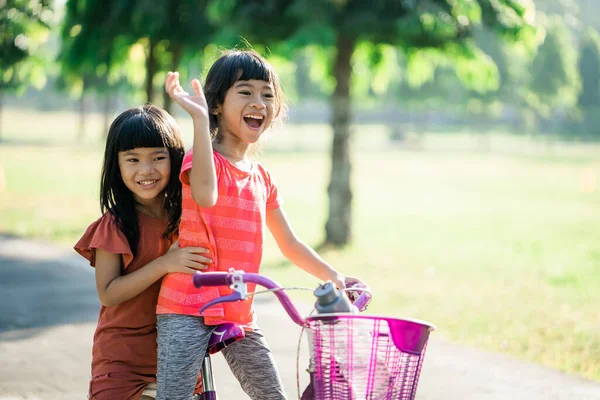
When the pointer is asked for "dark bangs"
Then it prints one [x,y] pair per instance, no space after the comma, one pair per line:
[246,67]
[140,130]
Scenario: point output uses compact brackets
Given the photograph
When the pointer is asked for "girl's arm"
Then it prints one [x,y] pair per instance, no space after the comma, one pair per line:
[114,288]
[203,177]
[299,252]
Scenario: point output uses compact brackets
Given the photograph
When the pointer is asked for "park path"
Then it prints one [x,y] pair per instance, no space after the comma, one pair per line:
[48,308]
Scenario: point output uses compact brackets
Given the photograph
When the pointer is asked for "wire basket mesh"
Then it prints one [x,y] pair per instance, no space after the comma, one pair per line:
[363,357]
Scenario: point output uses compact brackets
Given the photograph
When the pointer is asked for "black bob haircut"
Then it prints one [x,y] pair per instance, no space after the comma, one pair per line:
[143,126]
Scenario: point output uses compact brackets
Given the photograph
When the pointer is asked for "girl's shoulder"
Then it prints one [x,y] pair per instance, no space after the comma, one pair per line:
[105,224]
[105,234]
[263,171]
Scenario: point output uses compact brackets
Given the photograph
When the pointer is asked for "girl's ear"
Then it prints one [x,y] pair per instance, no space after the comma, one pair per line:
[216,111]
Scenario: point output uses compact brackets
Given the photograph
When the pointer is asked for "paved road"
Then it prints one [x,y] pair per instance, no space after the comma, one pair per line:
[48,308]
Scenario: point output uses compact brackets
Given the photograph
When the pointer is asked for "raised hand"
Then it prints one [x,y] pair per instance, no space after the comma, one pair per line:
[187,260]
[194,104]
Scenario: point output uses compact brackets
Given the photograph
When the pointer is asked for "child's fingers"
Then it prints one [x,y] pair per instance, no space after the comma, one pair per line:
[195,267]
[197,88]
[197,250]
[200,259]
[170,83]
[350,280]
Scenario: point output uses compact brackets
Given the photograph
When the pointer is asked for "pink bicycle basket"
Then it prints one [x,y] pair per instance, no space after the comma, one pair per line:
[356,357]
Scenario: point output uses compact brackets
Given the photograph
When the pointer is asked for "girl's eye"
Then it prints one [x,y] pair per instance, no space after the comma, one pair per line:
[160,158]
[245,93]
[132,160]
[269,95]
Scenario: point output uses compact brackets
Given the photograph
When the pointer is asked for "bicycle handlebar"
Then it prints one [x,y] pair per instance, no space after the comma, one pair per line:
[229,278]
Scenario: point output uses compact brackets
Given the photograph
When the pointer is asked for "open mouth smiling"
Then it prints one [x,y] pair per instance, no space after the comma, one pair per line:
[254,121]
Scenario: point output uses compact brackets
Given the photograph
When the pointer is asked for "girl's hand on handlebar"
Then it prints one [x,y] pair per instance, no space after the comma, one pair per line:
[187,259]
[339,281]
[351,281]
[342,282]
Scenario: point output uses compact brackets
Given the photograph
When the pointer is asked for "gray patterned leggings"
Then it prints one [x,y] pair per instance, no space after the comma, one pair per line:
[182,344]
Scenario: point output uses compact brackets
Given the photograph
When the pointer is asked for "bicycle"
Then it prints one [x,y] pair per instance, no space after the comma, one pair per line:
[351,356]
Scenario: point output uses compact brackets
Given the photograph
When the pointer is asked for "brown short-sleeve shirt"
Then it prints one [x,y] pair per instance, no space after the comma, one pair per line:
[124,349]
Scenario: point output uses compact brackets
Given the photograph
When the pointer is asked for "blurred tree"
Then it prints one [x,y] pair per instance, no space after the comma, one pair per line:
[91,55]
[24,26]
[577,14]
[170,28]
[555,82]
[589,71]
[306,87]
[343,24]
[505,98]
[105,33]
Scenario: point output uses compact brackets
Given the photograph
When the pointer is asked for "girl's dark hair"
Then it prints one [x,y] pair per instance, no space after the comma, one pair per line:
[233,66]
[143,126]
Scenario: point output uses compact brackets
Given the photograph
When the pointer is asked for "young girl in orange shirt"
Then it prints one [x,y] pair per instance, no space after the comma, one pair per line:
[228,201]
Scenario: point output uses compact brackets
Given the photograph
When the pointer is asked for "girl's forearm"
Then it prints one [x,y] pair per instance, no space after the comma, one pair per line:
[307,259]
[128,286]
[203,178]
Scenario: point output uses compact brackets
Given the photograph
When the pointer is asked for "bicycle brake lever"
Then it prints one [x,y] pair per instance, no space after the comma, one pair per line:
[239,291]
[235,296]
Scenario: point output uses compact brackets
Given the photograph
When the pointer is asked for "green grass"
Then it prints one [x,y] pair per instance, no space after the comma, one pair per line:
[498,249]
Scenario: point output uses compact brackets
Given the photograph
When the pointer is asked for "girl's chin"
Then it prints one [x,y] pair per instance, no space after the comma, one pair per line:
[148,198]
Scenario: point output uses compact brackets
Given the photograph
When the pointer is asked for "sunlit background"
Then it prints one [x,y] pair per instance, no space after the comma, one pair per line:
[473,156]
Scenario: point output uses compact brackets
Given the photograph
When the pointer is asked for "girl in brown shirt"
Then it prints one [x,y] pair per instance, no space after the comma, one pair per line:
[133,245]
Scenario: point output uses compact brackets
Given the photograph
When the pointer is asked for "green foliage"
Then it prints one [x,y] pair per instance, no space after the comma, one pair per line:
[412,23]
[94,46]
[375,67]
[555,81]
[102,39]
[586,121]
[443,27]
[589,70]
[24,27]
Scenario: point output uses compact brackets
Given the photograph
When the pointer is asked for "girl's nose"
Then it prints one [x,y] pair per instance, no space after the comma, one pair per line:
[258,103]
[147,167]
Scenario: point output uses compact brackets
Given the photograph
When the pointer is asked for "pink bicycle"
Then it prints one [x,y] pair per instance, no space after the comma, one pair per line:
[351,356]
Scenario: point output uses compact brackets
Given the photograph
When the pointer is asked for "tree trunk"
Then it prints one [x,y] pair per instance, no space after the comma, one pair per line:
[1,113]
[303,81]
[150,71]
[82,115]
[177,54]
[106,111]
[339,224]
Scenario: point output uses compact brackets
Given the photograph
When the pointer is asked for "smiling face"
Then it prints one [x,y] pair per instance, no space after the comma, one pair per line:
[145,171]
[247,110]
